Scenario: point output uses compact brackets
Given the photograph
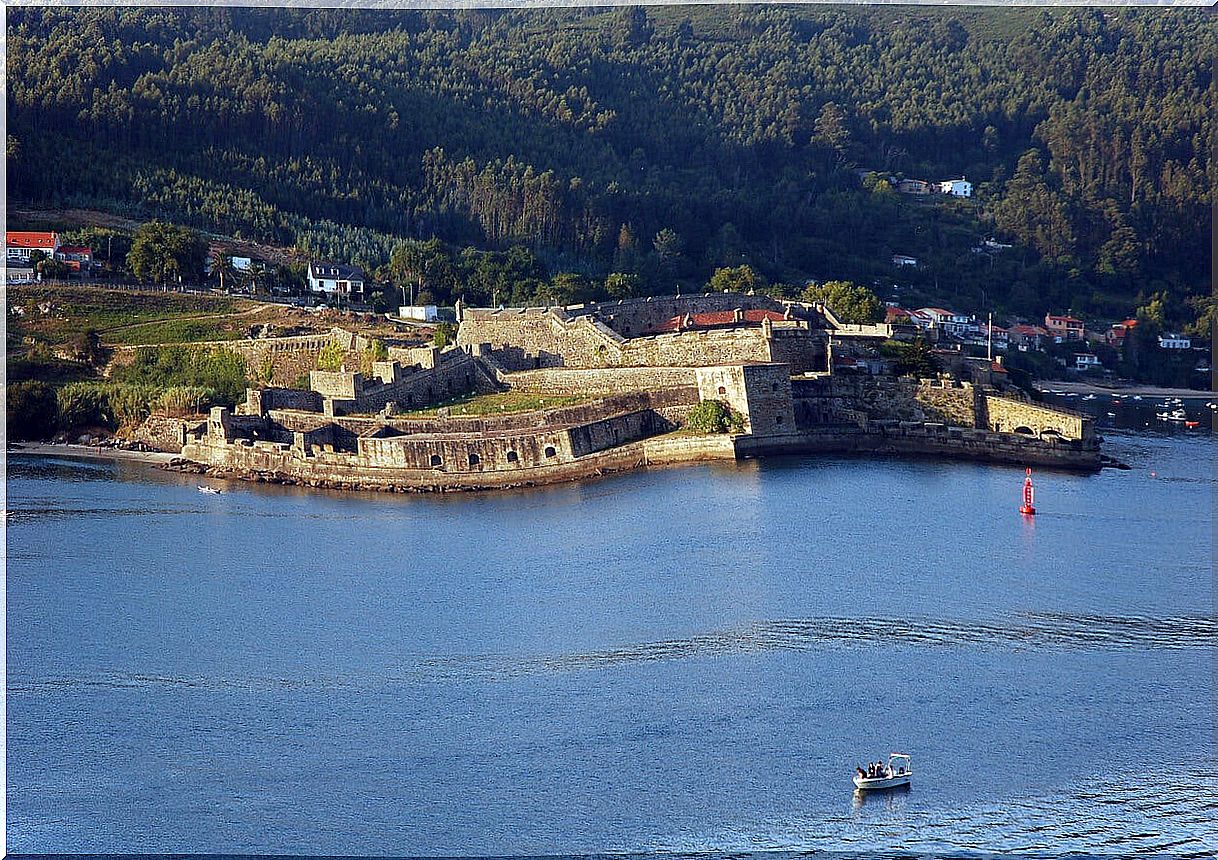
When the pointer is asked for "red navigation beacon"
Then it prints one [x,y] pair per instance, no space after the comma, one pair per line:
[1028,496]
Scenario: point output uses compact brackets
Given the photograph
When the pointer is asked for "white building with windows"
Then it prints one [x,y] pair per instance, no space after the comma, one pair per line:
[337,279]
[956,187]
[1175,341]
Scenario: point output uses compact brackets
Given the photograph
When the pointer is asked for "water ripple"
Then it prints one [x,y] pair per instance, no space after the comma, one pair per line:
[1031,631]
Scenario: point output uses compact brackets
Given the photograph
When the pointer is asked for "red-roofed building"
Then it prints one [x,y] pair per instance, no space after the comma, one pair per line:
[20,244]
[1026,337]
[1064,328]
[1116,335]
[75,256]
[714,319]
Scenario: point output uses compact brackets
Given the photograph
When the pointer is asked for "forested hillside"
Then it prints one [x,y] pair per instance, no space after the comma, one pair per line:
[667,142]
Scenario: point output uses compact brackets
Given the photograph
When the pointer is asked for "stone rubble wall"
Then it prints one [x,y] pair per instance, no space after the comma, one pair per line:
[162,433]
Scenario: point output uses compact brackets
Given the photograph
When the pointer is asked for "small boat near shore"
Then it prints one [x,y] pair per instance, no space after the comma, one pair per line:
[1176,415]
[897,774]
[211,491]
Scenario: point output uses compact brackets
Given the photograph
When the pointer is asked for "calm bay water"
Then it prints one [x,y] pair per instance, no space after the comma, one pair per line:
[684,660]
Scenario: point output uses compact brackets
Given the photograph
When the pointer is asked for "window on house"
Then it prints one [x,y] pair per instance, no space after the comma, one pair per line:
[437,460]
[474,459]
[722,390]
[550,452]
[513,457]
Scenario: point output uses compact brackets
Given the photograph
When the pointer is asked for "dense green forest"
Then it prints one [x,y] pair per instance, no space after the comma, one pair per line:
[662,144]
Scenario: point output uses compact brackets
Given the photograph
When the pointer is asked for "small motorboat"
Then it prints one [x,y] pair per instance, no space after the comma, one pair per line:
[211,491]
[1174,415]
[1089,397]
[1192,425]
[896,775]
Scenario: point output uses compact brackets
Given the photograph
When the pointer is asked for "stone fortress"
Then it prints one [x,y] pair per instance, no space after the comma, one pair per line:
[638,366]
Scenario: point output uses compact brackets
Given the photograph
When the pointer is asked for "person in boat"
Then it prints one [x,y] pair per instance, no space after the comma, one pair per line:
[862,773]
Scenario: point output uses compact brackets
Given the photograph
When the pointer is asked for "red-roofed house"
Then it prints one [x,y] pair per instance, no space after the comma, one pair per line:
[1026,337]
[1064,328]
[20,244]
[75,256]
[714,319]
[1116,335]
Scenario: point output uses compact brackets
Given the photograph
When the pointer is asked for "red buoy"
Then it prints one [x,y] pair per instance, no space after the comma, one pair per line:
[1028,496]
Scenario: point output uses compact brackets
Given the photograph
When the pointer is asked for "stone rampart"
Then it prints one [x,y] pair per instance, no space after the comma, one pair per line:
[530,338]
[950,402]
[1012,415]
[259,401]
[571,381]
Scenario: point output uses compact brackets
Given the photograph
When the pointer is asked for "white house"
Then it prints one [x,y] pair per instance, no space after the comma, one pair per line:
[421,313]
[19,274]
[956,187]
[337,279]
[951,322]
[903,260]
[1175,341]
[1085,361]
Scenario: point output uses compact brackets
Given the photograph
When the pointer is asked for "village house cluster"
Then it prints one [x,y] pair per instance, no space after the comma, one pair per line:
[947,328]
[24,249]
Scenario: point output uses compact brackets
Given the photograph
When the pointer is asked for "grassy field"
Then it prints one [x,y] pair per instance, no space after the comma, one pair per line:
[177,331]
[74,309]
[500,404]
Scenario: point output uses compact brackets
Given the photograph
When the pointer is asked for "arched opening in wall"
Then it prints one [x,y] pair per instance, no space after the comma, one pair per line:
[449,385]
[474,459]
[1026,431]
[437,460]
[722,390]
[430,393]
[513,457]
[550,452]
[774,388]
[778,419]
[469,380]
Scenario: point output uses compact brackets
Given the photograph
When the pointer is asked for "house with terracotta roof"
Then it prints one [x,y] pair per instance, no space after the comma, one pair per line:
[76,257]
[1027,337]
[1116,334]
[1064,328]
[20,244]
[715,319]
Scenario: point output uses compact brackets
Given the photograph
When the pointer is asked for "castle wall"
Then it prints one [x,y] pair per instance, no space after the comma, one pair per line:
[1005,414]
[571,381]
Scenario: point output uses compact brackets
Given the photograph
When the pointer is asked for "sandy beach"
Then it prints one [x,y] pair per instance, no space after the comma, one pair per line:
[1142,390]
[89,452]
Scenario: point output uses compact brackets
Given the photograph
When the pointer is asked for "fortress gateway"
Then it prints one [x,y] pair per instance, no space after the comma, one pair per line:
[790,372]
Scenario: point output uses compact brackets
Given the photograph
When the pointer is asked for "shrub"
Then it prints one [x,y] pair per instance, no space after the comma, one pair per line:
[714,416]
[105,404]
[32,411]
[331,357]
[162,367]
[445,334]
